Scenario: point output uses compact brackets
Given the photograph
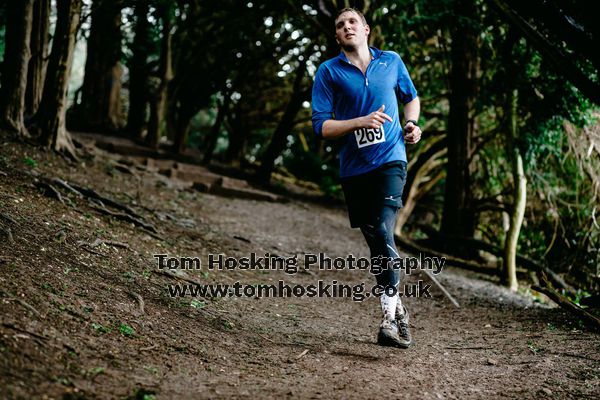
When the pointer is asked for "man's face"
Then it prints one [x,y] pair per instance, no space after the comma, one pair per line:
[350,31]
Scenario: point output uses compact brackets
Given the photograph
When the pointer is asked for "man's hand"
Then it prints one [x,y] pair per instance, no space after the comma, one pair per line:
[412,133]
[375,119]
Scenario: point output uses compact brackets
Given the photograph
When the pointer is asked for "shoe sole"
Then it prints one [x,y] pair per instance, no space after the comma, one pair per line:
[387,341]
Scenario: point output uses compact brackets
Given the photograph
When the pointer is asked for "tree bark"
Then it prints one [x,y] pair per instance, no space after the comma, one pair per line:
[179,114]
[50,118]
[16,59]
[237,136]
[138,72]
[100,101]
[39,51]
[159,98]
[279,140]
[213,135]
[458,217]
[520,198]
[182,127]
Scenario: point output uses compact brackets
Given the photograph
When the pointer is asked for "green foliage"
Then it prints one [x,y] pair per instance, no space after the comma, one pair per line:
[533,347]
[99,328]
[30,162]
[197,304]
[93,372]
[579,295]
[143,394]
[126,330]
[569,196]
[2,42]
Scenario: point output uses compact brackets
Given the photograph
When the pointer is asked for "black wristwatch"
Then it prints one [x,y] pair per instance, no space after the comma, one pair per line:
[413,121]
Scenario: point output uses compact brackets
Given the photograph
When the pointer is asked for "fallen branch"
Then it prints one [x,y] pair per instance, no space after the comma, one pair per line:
[408,244]
[589,318]
[441,287]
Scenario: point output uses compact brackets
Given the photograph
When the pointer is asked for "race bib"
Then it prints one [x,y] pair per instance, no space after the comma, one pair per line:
[368,136]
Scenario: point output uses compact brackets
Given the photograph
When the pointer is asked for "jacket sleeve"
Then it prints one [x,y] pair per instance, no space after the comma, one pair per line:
[322,100]
[405,90]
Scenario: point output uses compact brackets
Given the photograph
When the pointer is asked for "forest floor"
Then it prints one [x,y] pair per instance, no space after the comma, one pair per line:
[81,318]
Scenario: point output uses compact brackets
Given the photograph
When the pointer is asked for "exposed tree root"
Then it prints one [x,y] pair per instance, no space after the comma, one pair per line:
[52,191]
[100,204]
[127,218]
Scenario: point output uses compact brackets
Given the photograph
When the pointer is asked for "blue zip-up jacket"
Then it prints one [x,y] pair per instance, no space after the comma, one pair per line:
[341,91]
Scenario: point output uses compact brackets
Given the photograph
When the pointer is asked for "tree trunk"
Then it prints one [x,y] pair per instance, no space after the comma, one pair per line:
[213,136]
[50,118]
[458,217]
[520,198]
[279,140]
[236,134]
[16,59]
[183,118]
[39,51]
[159,98]
[138,72]
[100,101]
[179,115]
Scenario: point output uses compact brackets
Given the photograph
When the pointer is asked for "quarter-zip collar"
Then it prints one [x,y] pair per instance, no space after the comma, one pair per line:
[375,53]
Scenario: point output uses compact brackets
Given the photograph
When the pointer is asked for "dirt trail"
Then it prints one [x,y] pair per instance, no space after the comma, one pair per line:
[97,322]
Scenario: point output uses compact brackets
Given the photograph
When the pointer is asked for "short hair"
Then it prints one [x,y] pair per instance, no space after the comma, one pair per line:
[351,9]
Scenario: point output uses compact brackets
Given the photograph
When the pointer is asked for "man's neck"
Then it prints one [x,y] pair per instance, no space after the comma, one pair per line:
[361,57]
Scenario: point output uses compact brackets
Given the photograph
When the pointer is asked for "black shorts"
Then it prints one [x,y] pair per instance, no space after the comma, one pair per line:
[366,193]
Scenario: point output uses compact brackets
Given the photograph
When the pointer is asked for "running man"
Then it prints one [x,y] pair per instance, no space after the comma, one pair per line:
[355,99]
